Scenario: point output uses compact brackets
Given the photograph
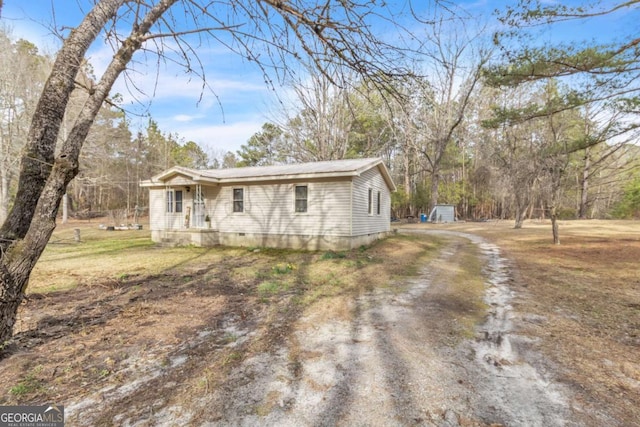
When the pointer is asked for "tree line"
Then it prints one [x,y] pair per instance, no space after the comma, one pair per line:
[114,158]
[458,130]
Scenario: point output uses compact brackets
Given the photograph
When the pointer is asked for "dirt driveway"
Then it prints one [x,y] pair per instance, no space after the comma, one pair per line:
[398,363]
[401,355]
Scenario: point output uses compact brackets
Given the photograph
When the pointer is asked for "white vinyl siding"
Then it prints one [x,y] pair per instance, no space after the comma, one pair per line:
[338,206]
[178,181]
[157,209]
[364,186]
[166,211]
[270,209]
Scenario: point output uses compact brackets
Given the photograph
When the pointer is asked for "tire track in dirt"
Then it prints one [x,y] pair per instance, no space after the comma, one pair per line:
[391,365]
[508,386]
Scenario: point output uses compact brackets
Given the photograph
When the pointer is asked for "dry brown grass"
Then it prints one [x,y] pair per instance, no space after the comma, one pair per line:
[588,290]
[369,268]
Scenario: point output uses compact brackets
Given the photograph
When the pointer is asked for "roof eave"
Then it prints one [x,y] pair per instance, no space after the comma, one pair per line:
[193,175]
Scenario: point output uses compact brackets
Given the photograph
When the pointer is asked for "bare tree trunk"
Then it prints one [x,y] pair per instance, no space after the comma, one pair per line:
[465,199]
[584,185]
[521,215]
[35,219]
[24,234]
[531,209]
[407,178]
[521,209]
[554,224]
[47,118]
[435,183]
[4,196]
[65,208]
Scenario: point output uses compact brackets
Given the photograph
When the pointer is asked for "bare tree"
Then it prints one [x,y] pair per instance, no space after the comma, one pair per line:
[515,147]
[454,56]
[607,135]
[404,132]
[562,131]
[320,126]
[332,36]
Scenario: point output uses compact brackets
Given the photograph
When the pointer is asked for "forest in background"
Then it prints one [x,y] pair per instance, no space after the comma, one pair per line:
[455,133]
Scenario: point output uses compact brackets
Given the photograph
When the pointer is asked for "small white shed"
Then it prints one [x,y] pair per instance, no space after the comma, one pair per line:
[442,213]
[337,205]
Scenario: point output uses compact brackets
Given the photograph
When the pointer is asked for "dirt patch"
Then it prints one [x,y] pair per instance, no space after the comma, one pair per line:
[134,347]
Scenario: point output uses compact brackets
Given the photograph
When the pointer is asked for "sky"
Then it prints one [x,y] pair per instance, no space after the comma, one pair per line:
[219,118]
[237,101]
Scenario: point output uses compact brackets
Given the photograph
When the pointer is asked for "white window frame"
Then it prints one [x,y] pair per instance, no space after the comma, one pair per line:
[370,201]
[169,196]
[233,199]
[171,205]
[295,199]
[378,208]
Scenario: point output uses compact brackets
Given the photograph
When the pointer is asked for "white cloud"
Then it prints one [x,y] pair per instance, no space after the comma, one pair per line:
[166,85]
[185,117]
[219,117]
[223,137]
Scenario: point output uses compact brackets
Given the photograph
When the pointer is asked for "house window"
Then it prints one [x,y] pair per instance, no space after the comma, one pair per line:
[378,206]
[370,208]
[301,198]
[174,201]
[169,200]
[178,201]
[238,200]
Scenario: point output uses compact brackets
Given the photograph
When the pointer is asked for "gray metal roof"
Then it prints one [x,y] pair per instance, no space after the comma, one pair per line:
[331,168]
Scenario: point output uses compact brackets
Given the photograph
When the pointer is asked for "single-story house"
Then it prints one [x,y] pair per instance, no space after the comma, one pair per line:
[337,205]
